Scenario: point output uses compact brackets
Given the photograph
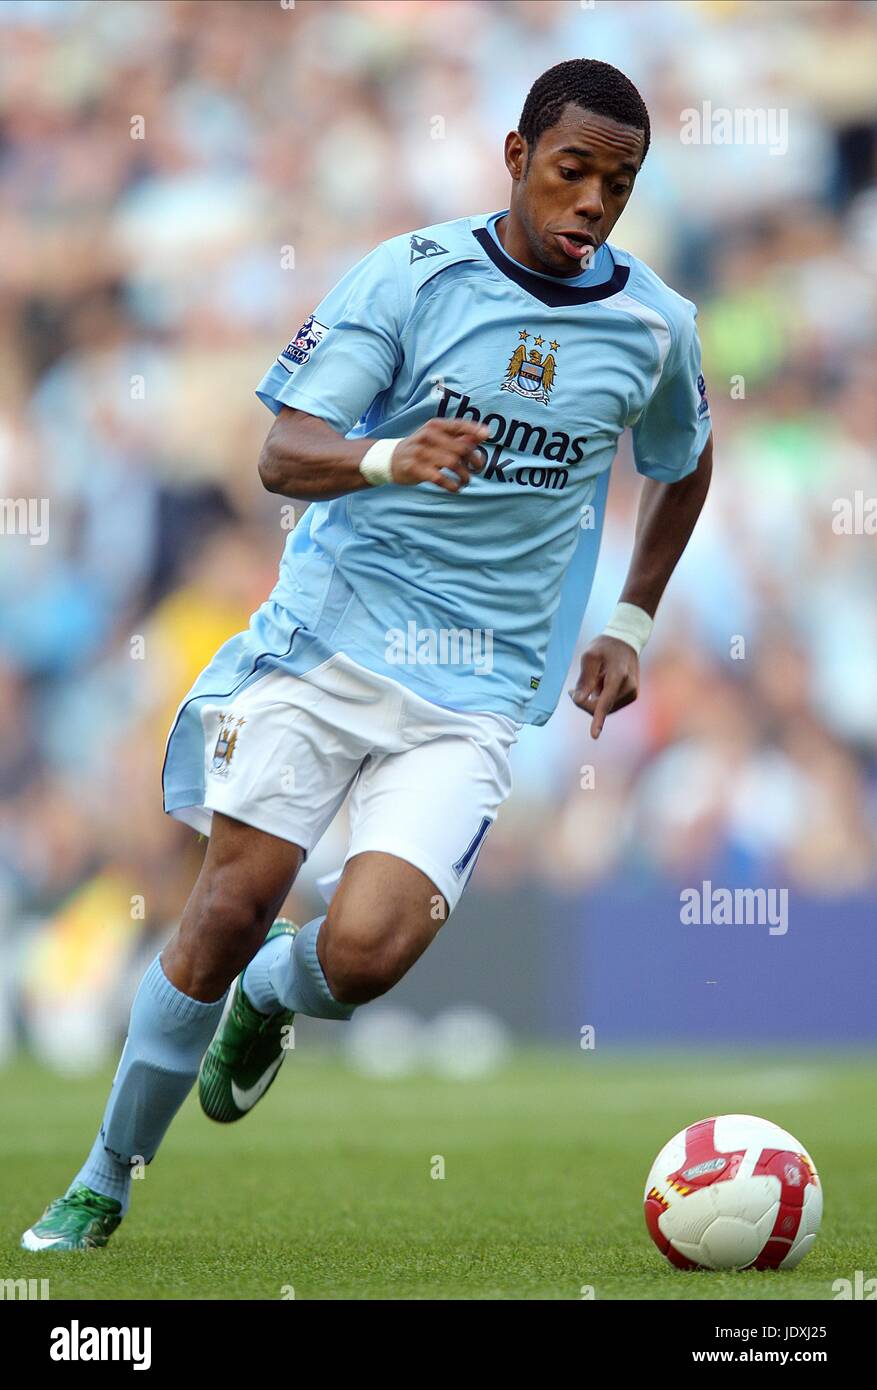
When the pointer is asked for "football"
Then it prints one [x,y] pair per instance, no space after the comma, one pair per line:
[733,1192]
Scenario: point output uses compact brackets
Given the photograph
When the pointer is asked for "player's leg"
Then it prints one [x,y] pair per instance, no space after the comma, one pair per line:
[245,877]
[303,746]
[285,978]
[380,921]
[418,821]
[383,915]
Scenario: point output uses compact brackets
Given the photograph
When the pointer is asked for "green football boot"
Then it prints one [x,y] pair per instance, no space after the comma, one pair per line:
[83,1220]
[246,1053]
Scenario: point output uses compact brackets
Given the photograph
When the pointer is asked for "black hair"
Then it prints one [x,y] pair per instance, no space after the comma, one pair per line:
[585,82]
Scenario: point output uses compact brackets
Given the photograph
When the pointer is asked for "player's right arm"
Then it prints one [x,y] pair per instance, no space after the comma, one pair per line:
[345,355]
[305,458]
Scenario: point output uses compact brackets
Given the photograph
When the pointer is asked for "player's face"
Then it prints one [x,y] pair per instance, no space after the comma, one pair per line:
[570,190]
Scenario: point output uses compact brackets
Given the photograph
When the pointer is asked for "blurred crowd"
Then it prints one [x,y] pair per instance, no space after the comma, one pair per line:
[180,183]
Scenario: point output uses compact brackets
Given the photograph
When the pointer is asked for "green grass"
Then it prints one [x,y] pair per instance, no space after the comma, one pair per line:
[326,1187]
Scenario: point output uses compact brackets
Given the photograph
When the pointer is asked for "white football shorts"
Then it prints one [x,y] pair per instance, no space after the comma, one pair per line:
[425,782]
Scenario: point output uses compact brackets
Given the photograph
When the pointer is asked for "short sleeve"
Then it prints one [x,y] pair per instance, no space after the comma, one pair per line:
[346,352]
[672,431]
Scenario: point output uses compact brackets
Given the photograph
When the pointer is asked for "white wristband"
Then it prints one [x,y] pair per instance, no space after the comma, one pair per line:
[375,464]
[631,625]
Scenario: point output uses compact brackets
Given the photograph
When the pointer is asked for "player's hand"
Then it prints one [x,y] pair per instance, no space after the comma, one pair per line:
[438,445]
[608,680]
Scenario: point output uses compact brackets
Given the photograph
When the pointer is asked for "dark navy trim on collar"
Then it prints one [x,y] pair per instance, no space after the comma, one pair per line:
[554,295]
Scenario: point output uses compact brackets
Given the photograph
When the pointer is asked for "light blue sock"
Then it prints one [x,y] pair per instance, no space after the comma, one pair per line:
[167,1036]
[286,974]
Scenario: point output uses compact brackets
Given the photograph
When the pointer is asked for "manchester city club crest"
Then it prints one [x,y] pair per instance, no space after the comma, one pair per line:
[229,729]
[530,372]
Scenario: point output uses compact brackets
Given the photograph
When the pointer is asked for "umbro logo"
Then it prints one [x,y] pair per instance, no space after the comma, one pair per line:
[422,247]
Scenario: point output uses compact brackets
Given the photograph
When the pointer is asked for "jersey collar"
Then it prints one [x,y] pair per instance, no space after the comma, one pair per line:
[555,295]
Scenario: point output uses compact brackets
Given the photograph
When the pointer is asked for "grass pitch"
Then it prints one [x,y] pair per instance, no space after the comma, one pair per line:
[325,1191]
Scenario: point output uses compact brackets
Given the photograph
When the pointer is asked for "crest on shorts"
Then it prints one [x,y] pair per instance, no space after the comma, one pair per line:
[531,372]
[229,728]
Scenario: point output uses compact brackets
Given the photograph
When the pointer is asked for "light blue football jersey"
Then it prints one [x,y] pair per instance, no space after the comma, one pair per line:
[475,600]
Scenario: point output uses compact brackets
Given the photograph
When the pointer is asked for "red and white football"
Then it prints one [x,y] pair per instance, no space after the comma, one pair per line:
[733,1192]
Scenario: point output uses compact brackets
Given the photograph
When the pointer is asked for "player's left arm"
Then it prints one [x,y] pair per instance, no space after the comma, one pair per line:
[668,512]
